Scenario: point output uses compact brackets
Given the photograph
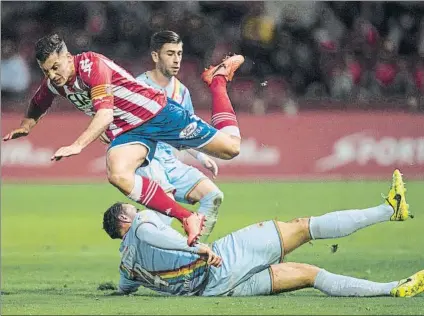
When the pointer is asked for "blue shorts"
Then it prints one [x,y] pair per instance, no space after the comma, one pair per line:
[247,255]
[174,176]
[173,125]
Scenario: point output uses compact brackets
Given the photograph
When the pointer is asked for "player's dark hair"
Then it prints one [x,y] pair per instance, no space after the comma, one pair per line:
[111,221]
[48,45]
[163,37]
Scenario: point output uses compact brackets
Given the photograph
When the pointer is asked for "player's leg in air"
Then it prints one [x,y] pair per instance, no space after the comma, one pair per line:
[226,143]
[122,174]
[292,276]
[156,172]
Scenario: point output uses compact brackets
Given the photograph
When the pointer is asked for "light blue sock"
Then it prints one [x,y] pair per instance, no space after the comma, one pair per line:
[343,223]
[340,285]
[209,206]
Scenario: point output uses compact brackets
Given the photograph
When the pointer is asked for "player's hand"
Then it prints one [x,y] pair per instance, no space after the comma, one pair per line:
[16,133]
[104,139]
[212,258]
[208,163]
[66,152]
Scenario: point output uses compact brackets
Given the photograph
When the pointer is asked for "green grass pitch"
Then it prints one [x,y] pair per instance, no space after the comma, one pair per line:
[54,253]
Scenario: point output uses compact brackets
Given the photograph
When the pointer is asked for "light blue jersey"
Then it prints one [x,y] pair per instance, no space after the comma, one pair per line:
[157,257]
[178,92]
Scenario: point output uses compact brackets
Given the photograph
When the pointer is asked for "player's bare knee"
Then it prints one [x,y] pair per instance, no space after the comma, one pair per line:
[232,150]
[119,179]
[302,224]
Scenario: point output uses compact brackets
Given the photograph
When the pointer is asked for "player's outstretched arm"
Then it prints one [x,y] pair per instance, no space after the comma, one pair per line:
[171,240]
[38,106]
[98,125]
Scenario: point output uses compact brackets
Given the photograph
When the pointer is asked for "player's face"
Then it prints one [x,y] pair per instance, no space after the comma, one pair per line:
[168,59]
[58,67]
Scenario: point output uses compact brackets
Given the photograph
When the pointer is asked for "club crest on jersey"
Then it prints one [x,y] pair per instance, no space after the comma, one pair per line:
[86,65]
[188,130]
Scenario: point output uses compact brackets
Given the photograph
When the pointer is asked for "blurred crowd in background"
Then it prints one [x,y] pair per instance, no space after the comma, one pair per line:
[351,54]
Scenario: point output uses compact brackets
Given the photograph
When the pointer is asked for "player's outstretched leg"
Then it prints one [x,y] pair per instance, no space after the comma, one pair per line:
[294,276]
[121,174]
[343,223]
[148,193]
[216,77]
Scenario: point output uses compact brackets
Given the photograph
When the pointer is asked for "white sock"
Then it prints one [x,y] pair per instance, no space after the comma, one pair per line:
[340,285]
[342,223]
[209,206]
[135,193]
[231,130]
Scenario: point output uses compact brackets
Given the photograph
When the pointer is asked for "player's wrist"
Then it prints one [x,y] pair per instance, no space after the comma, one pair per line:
[200,156]
[27,124]
[201,249]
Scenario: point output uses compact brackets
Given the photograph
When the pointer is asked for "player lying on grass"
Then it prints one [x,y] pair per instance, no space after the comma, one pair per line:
[186,183]
[135,117]
[248,261]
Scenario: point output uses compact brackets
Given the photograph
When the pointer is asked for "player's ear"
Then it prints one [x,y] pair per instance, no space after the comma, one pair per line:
[69,56]
[155,56]
[122,217]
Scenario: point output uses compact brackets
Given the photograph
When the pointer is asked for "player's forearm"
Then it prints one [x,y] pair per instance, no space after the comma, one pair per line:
[32,116]
[168,239]
[173,243]
[98,125]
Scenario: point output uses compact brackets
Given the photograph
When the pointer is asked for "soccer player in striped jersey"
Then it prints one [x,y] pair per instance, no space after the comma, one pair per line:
[189,184]
[249,261]
[135,117]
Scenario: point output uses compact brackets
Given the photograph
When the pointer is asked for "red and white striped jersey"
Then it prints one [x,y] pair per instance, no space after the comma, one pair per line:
[100,83]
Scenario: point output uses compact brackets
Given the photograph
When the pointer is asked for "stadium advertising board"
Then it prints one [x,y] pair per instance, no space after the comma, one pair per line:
[312,145]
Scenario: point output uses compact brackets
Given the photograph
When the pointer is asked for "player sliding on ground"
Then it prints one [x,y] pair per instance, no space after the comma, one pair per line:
[135,117]
[248,261]
[188,184]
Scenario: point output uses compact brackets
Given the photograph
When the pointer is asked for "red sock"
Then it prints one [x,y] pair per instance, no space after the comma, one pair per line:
[223,115]
[151,195]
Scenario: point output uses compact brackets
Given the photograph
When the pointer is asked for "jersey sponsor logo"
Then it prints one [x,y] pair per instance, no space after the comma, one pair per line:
[86,65]
[81,101]
[188,130]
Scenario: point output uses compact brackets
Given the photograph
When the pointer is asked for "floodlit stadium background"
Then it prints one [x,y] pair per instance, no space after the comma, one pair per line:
[329,102]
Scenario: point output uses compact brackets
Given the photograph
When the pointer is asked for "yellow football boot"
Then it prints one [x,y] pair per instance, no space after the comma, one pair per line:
[396,198]
[410,287]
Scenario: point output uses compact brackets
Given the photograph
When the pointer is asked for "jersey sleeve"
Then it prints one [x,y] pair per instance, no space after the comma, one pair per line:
[42,99]
[98,76]
[155,233]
